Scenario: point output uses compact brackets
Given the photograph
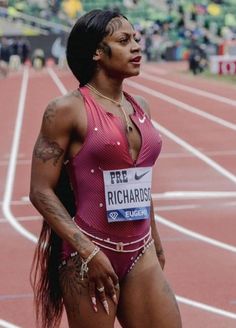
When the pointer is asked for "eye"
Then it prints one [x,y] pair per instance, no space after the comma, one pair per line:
[137,39]
[124,40]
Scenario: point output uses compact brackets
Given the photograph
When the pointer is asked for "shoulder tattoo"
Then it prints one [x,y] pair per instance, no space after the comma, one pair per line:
[50,112]
[47,150]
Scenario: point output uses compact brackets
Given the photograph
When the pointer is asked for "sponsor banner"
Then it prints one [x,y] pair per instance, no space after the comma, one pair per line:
[128,193]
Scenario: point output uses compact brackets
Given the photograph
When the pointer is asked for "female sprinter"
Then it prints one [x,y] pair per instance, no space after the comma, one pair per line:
[107,260]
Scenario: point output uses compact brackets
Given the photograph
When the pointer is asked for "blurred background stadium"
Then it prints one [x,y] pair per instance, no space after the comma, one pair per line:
[169,29]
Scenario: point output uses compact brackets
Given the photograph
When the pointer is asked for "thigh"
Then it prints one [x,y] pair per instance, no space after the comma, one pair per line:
[77,302]
[146,299]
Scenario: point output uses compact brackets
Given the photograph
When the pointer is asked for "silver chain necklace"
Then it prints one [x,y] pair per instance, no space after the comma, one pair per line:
[118,103]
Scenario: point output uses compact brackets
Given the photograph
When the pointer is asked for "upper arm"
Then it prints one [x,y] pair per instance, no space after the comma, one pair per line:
[143,104]
[51,145]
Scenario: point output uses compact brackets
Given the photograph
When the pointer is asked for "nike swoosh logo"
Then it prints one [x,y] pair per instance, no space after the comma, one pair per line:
[142,120]
[138,177]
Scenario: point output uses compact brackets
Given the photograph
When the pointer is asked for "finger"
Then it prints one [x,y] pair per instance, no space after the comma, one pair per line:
[115,280]
[93,295]
[102,296]
[111,290]
[106,306]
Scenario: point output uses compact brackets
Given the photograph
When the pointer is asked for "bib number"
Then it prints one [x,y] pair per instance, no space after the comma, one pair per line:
[128,194]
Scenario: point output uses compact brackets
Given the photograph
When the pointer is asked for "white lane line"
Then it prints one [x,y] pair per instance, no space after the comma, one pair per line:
[24,218]
[195,235]
[57,81]
[209,153]
[194,194]
[5,324]
[13,159]
[182,105]
[196,152]
[186,88]
[175,208]
[206,307]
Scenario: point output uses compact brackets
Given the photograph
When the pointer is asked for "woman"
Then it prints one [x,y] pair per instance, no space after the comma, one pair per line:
[107,261]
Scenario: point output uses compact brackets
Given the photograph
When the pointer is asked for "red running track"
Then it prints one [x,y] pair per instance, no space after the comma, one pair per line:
[194,188]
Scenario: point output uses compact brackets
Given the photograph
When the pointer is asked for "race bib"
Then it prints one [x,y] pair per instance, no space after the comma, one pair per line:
[128,194]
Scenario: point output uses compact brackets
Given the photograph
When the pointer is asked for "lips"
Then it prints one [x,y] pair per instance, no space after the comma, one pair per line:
[136,59]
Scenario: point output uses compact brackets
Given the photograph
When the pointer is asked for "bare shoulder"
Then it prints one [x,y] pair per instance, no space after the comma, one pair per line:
[61,111]
[143,104]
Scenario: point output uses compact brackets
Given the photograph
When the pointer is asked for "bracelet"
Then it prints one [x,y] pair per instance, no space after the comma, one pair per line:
[84,266]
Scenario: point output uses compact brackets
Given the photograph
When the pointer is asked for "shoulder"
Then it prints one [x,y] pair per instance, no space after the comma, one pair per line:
[143,104]
[62,110]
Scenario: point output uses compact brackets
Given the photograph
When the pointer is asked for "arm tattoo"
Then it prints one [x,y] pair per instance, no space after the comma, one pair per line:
[53,206]
[49,113]
[47,150]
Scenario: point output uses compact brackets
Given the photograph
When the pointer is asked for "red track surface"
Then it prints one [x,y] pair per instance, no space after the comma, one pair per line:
[198,271]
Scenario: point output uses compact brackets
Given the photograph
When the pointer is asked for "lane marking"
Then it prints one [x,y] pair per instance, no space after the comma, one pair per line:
[182,105]
[24,219]
[195,235]
[57,81]
[206,307]
[209,153]
[196,152]
[175,208]
[5,324]
[194,194]
[13,159]
[186,88]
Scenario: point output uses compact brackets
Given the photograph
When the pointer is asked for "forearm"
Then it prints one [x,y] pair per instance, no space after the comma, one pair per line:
[53,211]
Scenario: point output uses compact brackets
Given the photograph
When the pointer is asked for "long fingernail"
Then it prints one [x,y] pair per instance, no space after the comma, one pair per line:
[114,298]
[94,301]
[106,307]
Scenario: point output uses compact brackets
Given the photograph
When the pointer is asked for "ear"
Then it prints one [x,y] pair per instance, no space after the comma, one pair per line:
[98,54]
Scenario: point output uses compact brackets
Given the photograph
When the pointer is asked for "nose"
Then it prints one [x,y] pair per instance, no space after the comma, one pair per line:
[136,47]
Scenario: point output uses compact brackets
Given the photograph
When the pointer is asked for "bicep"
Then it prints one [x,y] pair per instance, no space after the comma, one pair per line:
[47,160]
[50,149]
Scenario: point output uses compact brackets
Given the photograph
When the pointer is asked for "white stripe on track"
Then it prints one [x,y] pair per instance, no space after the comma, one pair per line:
[13,159]
[206,307]
[57,81]
[194,194]
[186,88]
[196,152]
[195,235]
[5,324]
[182,105]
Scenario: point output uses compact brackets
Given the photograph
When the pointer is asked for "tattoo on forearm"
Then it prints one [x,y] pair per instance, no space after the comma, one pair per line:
[50,205]
[53,206]
[47,150]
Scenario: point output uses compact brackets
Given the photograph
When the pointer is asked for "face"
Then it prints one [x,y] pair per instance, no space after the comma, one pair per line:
[120,52]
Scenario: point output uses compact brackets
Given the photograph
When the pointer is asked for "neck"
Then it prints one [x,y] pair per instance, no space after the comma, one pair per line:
[108,87]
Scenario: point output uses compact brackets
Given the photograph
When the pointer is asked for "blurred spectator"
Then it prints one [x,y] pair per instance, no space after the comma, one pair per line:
[5,54]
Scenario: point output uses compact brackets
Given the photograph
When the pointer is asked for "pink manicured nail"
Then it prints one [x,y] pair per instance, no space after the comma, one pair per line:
[106,307]
[114,298]
[94,301]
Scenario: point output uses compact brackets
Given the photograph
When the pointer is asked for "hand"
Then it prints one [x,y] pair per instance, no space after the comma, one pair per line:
[161,257]
[102,281]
